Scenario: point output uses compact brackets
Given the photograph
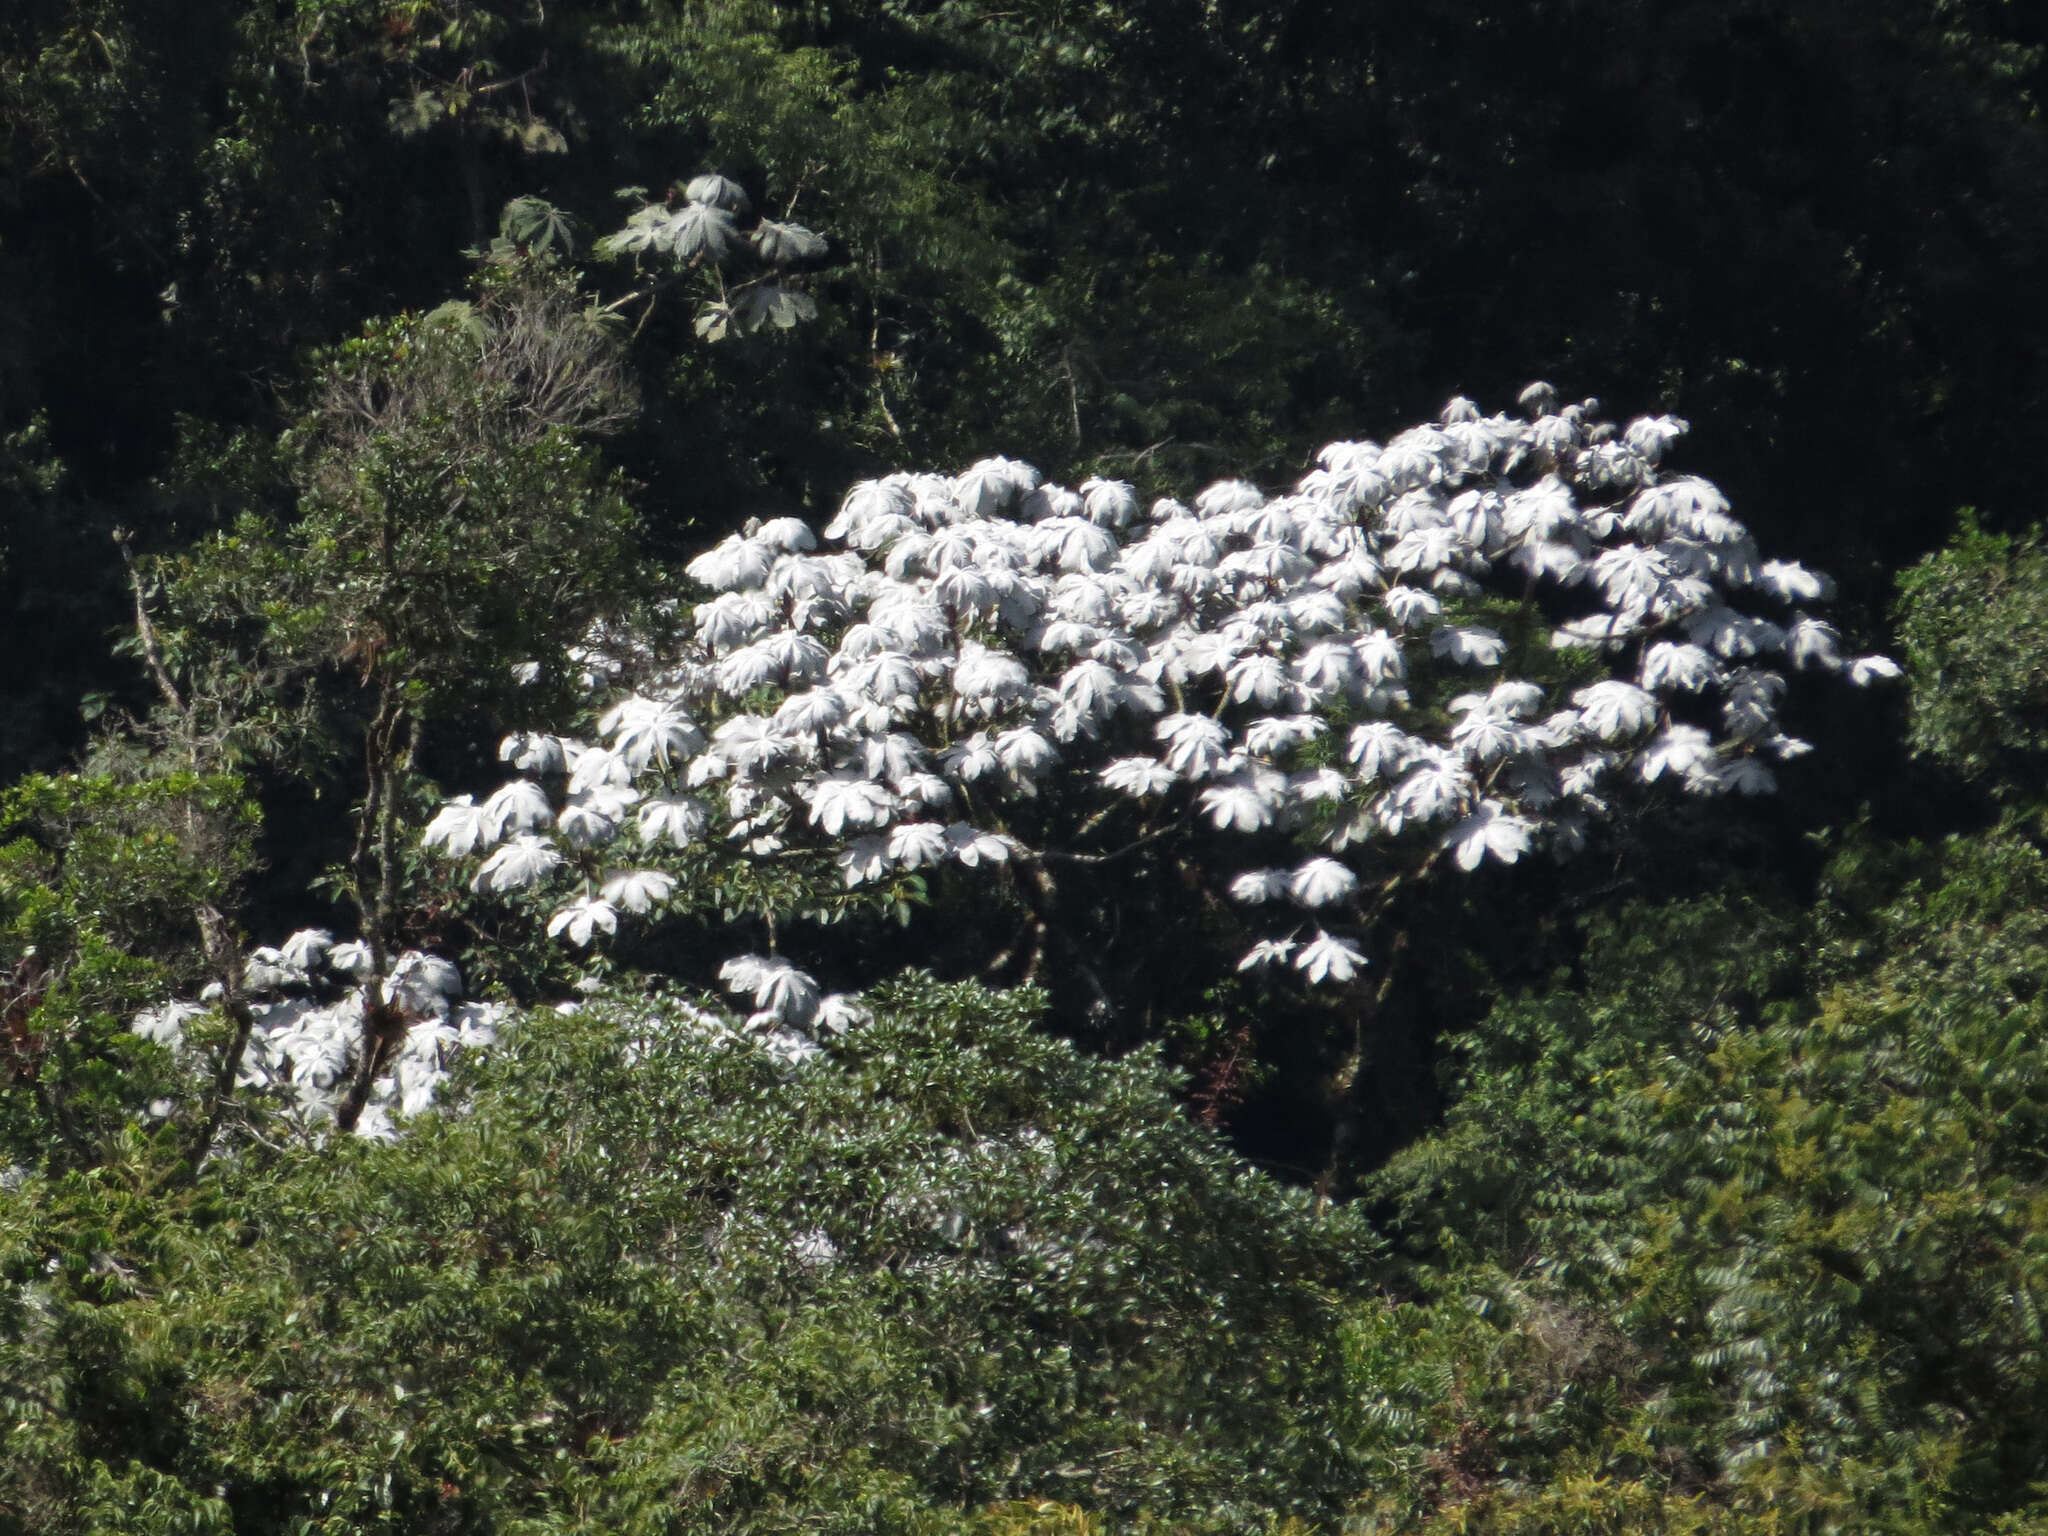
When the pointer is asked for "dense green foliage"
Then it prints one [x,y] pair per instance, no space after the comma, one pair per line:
[110,899]
[1700,1189]
[1973,620]
[1739,1225]
[1766,1203]
[648,1279]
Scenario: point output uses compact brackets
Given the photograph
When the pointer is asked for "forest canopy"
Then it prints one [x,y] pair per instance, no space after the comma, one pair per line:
[872,767]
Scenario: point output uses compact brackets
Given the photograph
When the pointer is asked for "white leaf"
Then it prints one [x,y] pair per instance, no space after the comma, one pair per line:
[1321,883]
[1259,885]
[1489,831]
[521,863]
[638,890]
[581,920]
[1267,952]
[1328,959]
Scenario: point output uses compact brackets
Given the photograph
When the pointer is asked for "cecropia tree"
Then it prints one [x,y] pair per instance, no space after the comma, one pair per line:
[1467,644]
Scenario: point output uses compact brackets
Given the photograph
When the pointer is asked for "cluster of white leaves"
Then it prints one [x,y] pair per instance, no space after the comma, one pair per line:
[1305,672]
[789,1011]
[712,226]
[308,1024]
[304,1045]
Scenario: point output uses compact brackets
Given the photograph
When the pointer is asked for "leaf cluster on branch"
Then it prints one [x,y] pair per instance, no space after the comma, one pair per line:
[753,264]
[1324,694]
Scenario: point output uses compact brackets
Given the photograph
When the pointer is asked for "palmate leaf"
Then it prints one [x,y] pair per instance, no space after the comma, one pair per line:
[693,232]
[786,244]
[720,192]
[644,231]
[535,135]
[460,315]
[538,226]
[416,113]
[714,320]
[780,307]
[698,231]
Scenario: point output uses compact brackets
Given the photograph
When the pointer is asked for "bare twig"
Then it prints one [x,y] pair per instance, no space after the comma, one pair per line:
[875,352]
[152,652]
[1073,391]
[1120,853]
[802,176]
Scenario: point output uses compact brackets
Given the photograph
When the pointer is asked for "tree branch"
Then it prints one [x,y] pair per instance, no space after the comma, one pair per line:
[152,652]
[224,957]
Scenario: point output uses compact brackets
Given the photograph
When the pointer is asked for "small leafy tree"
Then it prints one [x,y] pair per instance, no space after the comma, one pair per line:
[454,533]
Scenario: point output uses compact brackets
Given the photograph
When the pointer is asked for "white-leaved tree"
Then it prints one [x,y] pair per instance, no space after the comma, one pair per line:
[1326,694]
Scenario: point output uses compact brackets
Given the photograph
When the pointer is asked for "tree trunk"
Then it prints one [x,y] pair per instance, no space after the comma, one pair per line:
[374,880]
